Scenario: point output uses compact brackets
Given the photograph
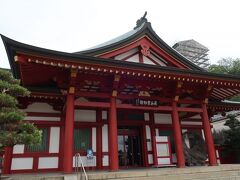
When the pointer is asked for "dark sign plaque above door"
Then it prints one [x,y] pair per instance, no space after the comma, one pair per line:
[145,102]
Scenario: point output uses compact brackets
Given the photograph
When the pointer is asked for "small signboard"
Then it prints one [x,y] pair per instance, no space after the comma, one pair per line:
[89,154]
[145,102]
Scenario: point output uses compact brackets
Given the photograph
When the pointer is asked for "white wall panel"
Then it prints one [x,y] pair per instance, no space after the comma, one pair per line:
[54,139]
[160,62]
[157,132]
[105,160]
[164,161]
[94,139]
[147,61]
[148,136]
[18,149]
[134,58]
[104,115]
[85,115]
[47,162]
[146,116]
[42,118]
[162,118]
[105,138]
[22,163]
[150,159]
[191,123]
[86,162]
[123,55]
[40,107]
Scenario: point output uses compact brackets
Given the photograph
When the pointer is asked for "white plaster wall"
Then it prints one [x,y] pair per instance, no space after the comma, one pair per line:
[86,162]
[191,123]
[85,115]
[196,116]
[54,139]
[157,132]
[40,107]
[148,136]
[157,60]
[163,161]
[123,55]
[146,116]
[47,162]
[161,138]
[134,58]
[18,149]
[104,115]
[105,160]
[150,159]
[147,61]
[105,138]
[22,163]
[42,118]
[162,118]
[94,143]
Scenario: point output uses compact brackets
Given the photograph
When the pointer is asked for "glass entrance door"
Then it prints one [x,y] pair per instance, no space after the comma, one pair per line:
[129,148]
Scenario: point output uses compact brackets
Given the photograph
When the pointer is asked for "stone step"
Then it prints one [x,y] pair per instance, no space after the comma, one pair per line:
[222,172]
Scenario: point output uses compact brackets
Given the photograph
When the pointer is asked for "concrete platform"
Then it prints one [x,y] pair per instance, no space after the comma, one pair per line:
[222,172]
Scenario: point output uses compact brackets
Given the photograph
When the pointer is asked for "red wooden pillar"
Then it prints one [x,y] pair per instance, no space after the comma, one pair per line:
[68,135]
[99,139]
[7,160]
[177,136]
[208,137]
[153,137]
[112,133]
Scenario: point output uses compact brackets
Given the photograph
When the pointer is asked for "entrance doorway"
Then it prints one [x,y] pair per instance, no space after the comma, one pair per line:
[129,147]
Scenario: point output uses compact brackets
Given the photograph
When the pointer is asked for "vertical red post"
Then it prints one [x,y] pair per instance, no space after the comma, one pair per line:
[68,135]
[112,133]
[177,136]
[99,139]
[7,160]
[153,137]
[208,137]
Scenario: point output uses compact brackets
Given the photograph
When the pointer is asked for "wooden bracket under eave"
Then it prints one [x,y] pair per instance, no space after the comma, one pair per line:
[176,98]
[71,90]
[73,73]
[206,101]
[114,93]
[117,78]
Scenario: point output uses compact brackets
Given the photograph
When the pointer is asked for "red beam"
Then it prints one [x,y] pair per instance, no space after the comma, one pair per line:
[130,106]
[185,109]
[42,114]
[92,94]
[189,101]
[46,123]
[192,119]
[122,96]
[92,104]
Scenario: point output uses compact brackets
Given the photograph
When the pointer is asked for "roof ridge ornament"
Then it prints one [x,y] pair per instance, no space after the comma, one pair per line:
[141,21]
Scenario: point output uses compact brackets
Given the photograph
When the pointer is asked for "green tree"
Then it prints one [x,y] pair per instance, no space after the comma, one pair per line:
[12,129]
[226,66]
[232,137]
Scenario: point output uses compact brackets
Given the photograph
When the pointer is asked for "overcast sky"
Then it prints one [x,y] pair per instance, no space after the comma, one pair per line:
[73,25]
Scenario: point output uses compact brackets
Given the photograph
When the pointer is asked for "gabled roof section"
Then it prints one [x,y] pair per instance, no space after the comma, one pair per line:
[143,29]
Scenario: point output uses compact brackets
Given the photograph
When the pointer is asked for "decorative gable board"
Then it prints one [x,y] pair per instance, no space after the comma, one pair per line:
[135,55]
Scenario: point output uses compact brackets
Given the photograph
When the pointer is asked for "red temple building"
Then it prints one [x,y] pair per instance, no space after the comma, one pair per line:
[128,100]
